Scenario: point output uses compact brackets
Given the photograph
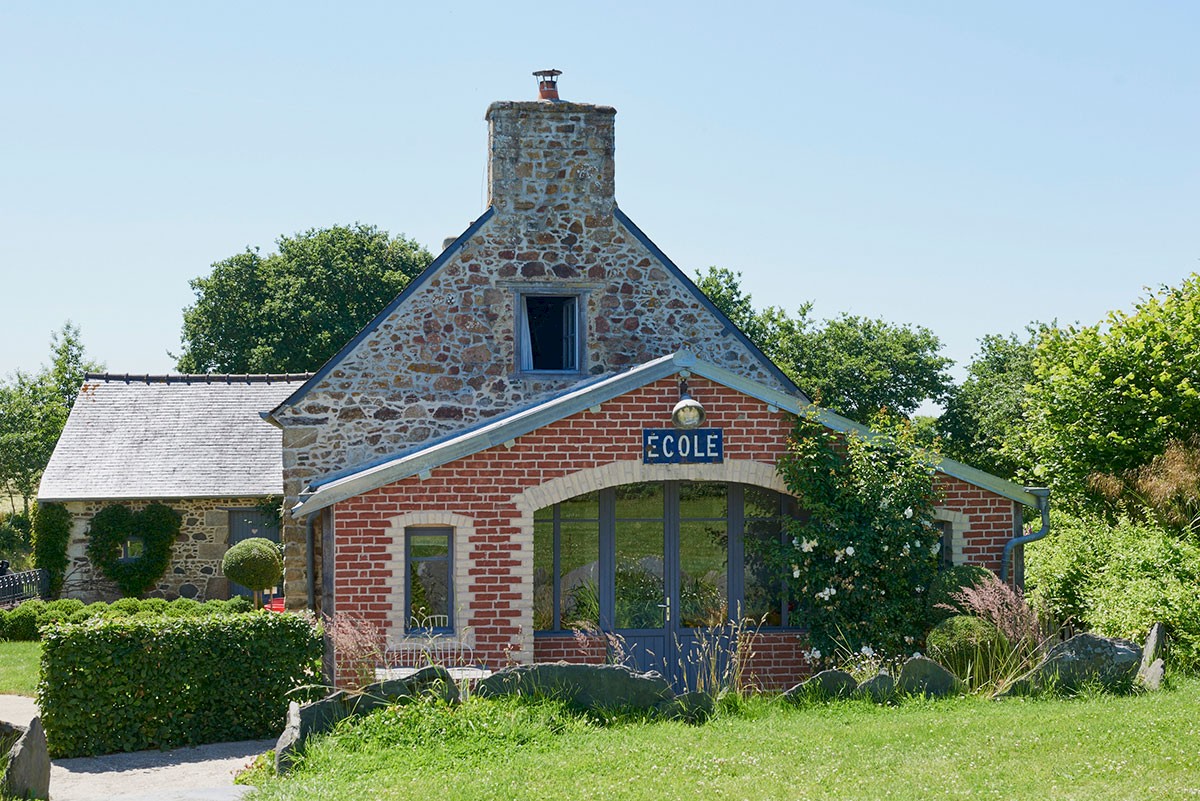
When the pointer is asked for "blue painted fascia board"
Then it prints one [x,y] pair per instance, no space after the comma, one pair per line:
[707,303]
[412,287]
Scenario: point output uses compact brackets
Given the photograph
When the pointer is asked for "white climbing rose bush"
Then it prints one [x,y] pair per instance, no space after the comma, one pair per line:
[860,560]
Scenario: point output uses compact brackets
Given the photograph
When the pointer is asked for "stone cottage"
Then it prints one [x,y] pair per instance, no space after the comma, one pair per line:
[515,446]
[194,443]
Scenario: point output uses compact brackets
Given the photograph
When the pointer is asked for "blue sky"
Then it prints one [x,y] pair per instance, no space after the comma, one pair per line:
[968,167]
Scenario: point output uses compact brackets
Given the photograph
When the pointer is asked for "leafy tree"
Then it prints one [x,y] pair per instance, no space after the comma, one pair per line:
[853,365]
[1107,399]
[292,310]
[34,409]
[985,410]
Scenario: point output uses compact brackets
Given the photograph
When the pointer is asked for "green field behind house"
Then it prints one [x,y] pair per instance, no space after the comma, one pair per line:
[1099,747]
[19,663]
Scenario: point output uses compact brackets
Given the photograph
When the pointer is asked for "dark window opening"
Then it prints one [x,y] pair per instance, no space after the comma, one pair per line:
[550,333]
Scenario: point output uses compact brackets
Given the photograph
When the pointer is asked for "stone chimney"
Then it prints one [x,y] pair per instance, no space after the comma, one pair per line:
[551,163]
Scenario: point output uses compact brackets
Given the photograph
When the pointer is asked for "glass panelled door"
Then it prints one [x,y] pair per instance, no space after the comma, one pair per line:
[641,604]
[671,578]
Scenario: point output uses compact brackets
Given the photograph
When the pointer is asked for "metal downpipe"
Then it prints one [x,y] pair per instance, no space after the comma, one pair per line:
[309,564]
[1043,506]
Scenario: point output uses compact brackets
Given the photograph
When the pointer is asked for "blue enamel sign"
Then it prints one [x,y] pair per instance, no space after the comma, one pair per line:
[672,446]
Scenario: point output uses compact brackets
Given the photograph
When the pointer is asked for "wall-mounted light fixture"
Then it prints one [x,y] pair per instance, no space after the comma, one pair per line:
[688,413]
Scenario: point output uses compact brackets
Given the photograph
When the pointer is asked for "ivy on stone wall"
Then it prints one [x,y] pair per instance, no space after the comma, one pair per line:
[156,527]
[51,534]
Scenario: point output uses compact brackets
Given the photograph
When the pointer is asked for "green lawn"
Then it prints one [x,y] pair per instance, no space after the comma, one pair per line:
[1094,748]
[19,667]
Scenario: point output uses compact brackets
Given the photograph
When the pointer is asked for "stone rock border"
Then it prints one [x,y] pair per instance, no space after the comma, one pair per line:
[1086,658]
[919,676]
[318,717]
[25,765]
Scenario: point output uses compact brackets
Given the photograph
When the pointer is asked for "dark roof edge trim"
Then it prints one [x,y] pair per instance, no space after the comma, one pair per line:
[232,496]
[704,300]
[412,287]
[199,378]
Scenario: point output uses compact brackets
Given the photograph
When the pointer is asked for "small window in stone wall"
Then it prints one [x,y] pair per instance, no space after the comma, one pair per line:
[430,579]
[548,333]
[132,548]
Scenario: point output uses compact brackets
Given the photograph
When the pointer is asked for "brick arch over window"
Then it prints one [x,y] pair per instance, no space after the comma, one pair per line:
[464,528]
[614,474]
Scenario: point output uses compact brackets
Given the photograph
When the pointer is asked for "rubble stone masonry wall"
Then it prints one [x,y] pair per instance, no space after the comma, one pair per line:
[195,568]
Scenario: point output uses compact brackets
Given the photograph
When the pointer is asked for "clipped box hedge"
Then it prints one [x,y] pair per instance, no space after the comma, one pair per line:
[129,685]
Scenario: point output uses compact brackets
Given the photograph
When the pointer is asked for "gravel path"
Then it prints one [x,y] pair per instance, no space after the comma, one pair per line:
[204,773]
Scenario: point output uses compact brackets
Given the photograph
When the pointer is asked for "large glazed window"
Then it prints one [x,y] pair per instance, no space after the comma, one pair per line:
[703,555]
[764,601]
[661,555]
[566,565]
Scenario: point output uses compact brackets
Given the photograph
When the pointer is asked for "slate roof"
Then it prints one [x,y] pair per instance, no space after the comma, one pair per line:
[196,436]
[423,458]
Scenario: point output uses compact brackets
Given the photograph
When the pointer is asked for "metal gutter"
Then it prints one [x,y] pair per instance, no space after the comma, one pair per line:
[1042,503]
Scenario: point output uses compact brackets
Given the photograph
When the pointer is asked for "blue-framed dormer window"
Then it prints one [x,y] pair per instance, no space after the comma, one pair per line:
[548,336]
[429,583]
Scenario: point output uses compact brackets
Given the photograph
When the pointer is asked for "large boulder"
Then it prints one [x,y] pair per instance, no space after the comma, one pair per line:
[879,688]
[24,761]
[317,717]
[1087,658]
[581,686]
[923,676]
[823,686]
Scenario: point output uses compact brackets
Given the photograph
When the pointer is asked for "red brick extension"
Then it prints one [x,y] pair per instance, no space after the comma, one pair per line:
[481,487]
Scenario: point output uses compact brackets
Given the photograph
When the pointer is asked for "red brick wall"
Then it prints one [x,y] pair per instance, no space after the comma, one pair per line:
[481,487]
[567,648]
[992,520]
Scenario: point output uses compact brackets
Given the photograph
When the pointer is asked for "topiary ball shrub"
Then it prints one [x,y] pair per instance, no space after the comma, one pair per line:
[949,581]
[182,607]
[128,606]
[22,624]
[156,605]
[255,563]
[971,648]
